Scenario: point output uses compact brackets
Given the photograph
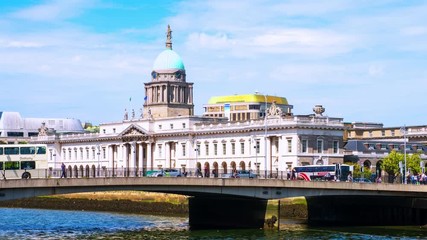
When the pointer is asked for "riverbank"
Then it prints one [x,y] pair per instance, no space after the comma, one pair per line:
[142,203]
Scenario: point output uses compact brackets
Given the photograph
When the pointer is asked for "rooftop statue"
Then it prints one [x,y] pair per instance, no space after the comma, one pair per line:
[169,38]
[43,129]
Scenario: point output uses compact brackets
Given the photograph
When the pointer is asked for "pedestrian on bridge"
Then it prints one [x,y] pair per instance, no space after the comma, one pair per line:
[63,174]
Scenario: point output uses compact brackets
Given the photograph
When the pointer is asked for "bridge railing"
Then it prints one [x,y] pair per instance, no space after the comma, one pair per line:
[102,172]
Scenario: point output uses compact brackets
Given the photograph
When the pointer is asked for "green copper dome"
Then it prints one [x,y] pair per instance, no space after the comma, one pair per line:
[168,59]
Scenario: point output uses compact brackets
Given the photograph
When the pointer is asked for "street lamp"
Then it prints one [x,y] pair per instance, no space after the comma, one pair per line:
[256,156]
[265,133]
[196,150]
[403,131]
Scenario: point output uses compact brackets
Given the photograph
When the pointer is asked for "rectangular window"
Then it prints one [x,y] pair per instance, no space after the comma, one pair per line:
[12,165]
[41,150]
[75,154]
[289,145]
[184,149]
[81,154]
[233,148]
[224,149]
[11,150]
[28,150]
[392,132]
[304,146]
[104,153]
[183,125]
[171,126]
[207,149]
[159,146]
[28,165]
[69,154]
[215,149]
[319,146]
[198,149]
[1,151]
[335,147]
[242,148]
[160,127]
[93,153]
[87,153]
[383,133]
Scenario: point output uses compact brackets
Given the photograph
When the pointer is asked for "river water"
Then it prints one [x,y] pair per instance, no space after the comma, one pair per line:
[19,223]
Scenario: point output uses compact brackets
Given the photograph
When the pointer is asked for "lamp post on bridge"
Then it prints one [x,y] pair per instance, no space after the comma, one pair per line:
[265,133]
[403,131]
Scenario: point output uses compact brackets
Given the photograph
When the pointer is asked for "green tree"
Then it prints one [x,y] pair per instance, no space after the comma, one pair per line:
[413,163]
[357,171]
[390,164]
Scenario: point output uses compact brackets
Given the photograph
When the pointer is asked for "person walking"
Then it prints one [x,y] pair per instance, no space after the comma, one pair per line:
[63,174]
[350,177]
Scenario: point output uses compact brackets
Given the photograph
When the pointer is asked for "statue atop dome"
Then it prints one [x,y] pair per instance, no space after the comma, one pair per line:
[169,38]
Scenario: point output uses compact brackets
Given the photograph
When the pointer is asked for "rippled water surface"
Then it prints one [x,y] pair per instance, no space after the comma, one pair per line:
[56,224]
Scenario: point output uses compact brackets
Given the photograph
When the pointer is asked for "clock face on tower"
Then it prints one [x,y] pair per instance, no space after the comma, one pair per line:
[178,74]
[154,74]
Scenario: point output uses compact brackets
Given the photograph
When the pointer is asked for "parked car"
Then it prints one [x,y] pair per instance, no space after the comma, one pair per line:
[169,173]
[240,174]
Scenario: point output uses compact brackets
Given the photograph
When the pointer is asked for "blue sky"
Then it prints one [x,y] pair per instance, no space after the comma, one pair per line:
[362,60]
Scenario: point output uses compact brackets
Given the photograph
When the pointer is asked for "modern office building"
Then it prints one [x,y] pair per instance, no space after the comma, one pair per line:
[245,107]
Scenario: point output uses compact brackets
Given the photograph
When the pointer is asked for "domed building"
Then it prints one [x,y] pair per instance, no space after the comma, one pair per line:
[240,132]
[168,94]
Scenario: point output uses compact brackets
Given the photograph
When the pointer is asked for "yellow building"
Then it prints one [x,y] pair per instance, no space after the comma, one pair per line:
[245,107]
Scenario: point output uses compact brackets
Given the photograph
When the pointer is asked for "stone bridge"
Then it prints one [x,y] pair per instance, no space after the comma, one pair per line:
[241,203]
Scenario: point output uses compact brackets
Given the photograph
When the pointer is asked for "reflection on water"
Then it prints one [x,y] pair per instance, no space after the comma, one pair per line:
[55,224]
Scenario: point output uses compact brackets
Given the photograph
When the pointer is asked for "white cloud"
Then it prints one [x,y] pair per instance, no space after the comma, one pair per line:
[52,10]
[205,41]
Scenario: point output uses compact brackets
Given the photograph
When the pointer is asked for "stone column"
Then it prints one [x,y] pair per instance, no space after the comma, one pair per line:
[149,156]
[140,157]
[167,155]
[110,157]
[132,160]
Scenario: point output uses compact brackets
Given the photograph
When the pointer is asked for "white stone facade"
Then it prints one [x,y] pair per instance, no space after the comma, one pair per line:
[162,139]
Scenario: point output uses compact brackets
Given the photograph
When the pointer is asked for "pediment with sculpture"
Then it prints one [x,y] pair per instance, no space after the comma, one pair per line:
[134,132]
